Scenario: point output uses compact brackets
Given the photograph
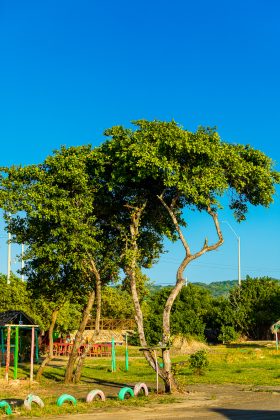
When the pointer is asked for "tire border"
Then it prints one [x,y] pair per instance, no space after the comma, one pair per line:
[124,391]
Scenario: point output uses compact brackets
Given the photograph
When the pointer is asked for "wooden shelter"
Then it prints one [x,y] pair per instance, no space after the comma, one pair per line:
[14,325]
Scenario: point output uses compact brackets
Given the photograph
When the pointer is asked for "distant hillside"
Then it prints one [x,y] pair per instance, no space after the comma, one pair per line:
[221,288]
[218,288]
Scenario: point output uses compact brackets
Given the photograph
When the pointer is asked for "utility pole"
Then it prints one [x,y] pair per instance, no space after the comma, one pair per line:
[239,257]
[22,261]
[9,259]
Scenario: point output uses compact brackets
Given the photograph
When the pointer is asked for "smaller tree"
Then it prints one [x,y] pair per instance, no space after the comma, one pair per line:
[256,306]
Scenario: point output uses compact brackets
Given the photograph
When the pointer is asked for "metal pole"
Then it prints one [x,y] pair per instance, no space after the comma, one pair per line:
[9,259]
[22,260]
[2,346]
[156,362]
[126,354]
[239,258]
[16,355]
[36,347]
[32,354]
[239,263]
[8,354]
[114,367]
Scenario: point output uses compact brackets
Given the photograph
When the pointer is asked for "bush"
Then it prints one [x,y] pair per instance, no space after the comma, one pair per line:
[227,334]
[199,362]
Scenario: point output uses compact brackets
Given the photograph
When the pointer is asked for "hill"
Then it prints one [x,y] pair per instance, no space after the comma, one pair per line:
[216,288]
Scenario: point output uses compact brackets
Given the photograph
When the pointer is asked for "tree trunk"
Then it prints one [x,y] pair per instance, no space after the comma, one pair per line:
[130,271]
[165,373]
[80,363]
[78,339]
[169,380]
[49,356]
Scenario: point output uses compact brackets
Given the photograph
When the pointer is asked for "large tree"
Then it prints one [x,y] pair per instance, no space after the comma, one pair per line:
[50,208]
[159,170]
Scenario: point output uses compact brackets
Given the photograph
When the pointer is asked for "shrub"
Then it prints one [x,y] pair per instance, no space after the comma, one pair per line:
[199,362]
[227,334]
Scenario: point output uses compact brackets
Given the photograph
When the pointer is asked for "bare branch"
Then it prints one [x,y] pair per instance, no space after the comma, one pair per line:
[176,224]
[206,247]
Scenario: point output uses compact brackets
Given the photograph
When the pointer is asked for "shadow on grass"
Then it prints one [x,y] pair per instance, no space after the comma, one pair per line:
[245,346]
[14,402]
[101,382]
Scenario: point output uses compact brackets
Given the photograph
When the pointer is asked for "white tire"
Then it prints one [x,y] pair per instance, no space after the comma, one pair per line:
[140,386]
[32,398]
[95,393]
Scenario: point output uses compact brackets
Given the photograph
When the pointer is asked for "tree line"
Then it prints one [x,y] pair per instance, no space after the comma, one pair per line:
[86,215]
[197,313]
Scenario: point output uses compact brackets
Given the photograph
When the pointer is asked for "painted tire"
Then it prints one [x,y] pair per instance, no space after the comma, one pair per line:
[95,393]
[32,398]
[4,404]
[140,386]
[66,397]
[124,391]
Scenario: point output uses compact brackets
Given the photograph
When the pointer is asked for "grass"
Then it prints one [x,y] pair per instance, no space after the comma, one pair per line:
[249,364]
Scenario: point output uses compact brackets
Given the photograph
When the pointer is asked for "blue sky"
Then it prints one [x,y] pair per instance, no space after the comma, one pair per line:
[71,69]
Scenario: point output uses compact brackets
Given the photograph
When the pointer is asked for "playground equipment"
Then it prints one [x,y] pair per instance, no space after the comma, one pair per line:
[91,396]
[6,406]
[158,365]
[126,354]
[32,399]
[140,386]
[113,350]
[95,393]
[126,391]
[14,326]
[66,397]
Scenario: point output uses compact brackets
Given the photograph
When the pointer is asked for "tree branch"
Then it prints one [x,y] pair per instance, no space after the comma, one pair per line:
[206,247]
[176,224]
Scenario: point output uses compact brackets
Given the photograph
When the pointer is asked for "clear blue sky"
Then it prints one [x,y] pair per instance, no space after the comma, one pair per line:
[70,69]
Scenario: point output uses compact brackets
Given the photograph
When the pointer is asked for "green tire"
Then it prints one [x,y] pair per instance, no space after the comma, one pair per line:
[4,404]
[124,391]
[66,397]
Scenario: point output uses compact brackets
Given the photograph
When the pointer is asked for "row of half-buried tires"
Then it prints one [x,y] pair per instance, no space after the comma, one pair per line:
[139,388]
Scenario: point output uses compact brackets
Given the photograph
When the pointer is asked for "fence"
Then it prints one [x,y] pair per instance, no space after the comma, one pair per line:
[112,324]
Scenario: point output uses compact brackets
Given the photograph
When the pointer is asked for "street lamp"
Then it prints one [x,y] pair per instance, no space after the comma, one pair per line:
[8,257]
[238,242]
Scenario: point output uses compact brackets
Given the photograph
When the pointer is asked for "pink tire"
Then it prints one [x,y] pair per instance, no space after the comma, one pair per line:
[140,386]
[95,393]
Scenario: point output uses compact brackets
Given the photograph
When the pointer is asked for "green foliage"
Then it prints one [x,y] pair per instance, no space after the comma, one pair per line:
[116,303]
[188,315]
[256,306]
[197,168]
[199,362]
[227,334]
[16,296]
[219,288]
